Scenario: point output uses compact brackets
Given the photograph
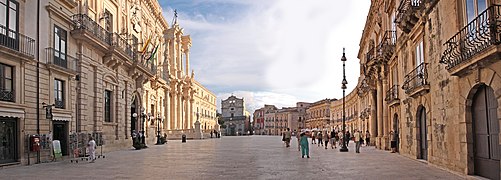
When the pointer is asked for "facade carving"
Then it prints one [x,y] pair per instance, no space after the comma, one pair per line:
[107,68]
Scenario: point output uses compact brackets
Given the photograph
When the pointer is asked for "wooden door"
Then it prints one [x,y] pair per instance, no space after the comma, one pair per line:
[486,134]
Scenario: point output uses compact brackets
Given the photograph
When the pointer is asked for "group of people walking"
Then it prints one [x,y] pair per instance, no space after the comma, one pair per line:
[323,138]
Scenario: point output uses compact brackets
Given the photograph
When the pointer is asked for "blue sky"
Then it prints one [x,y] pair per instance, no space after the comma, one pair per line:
[272,51]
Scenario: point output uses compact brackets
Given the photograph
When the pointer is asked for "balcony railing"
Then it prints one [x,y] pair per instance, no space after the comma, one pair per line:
[123,45]
[416,79]
[59,103]
[370,55]
[84,22]
[17,41]
[7,95]
[387,46]
[481,33]
[60,59]
[406,14]
[392,94]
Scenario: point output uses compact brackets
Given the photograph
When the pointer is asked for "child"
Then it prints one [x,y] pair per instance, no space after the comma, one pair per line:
[304,146]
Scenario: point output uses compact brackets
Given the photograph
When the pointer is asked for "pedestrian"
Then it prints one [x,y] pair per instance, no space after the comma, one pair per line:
[314,134]
[305,149]
[287,137]
[326,139]
[347,138]
[333,139]
[210,134]
[394,137]
[319,138]
[298,136]
[367,138]
[357,139]
[340,137]
[91,147]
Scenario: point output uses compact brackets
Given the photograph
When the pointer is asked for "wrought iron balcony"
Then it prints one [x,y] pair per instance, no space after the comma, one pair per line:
[370,56]
[392,95]
[479,36]
[59,103]
[59,59]
[122,44]
[83,24]
[408,14]
[7,95]
[417,81]
[386,47]
[16,41]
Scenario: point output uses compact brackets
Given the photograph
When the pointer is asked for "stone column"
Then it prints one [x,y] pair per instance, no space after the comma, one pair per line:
[379,112]
[173,112]
[191,112]
[373,96]
[386,132]
[179,110]
[187,54]
[167,120]
[186,114]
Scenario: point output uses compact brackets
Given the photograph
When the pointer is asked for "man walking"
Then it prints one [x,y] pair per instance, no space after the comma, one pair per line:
[287,137]
[357,137]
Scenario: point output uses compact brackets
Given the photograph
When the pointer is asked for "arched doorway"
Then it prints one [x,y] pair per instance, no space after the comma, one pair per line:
[396,132]
[485,133]
[422,133]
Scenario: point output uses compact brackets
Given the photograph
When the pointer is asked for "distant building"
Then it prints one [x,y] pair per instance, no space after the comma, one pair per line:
[318,115]
[236,118]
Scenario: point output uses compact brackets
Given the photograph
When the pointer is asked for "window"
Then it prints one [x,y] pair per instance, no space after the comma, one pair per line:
[8,23]
[108,25]
[107,106]
[60,47]
[474,8]
[59,93]
[6,83]
[419,56]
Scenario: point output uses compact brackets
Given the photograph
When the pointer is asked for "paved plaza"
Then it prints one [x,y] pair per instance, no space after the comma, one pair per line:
[253,157]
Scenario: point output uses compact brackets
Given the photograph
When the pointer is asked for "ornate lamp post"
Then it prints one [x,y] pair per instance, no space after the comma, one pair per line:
[343,86]
[158,130]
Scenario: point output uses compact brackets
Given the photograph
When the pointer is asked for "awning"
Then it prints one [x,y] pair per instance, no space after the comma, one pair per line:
[11,112]
[61,117]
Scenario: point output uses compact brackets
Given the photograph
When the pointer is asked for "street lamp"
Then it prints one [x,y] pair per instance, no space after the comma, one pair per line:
[343,86]
[143,118]
[158,130]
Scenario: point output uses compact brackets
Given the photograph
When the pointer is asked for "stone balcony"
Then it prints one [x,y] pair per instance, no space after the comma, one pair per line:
[60,61]
[408,14]
[370,57]
[86,29]
[416,82]
[476,44]
[392,96]
[386,47]
[13,42]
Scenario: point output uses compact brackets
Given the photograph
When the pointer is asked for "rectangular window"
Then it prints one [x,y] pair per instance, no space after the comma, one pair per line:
[419,54]
[9,23]
[107,106]
[59,93]
[6,83]
[60,47]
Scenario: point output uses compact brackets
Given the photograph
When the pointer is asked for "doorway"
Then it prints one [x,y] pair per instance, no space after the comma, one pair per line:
[8,140]
[61,133]
[485,133]
[423,131]
[396,132]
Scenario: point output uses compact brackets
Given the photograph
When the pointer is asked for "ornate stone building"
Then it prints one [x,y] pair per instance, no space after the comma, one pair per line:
[352,121]
[318,115]
[97,71]
[205,105]
[235,116]
[430,74]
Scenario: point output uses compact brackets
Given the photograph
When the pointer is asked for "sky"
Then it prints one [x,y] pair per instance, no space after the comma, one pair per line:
[272,51]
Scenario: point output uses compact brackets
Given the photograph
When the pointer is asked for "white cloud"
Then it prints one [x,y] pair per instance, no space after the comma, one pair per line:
[276,51]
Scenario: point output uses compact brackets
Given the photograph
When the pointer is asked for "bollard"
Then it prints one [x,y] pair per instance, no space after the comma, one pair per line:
[183,138]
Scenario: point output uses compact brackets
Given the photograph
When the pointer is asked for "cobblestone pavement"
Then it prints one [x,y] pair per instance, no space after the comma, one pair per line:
[254,157]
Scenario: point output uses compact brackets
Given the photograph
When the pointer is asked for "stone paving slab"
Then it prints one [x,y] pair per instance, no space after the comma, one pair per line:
[251,157]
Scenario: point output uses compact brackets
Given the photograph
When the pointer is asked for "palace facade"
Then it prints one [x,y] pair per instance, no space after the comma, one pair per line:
[105,69]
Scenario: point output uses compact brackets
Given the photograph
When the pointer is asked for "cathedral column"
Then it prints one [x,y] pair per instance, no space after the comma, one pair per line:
[167,120]
[179,110]
[173,111]
[192,121]
[187,54]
